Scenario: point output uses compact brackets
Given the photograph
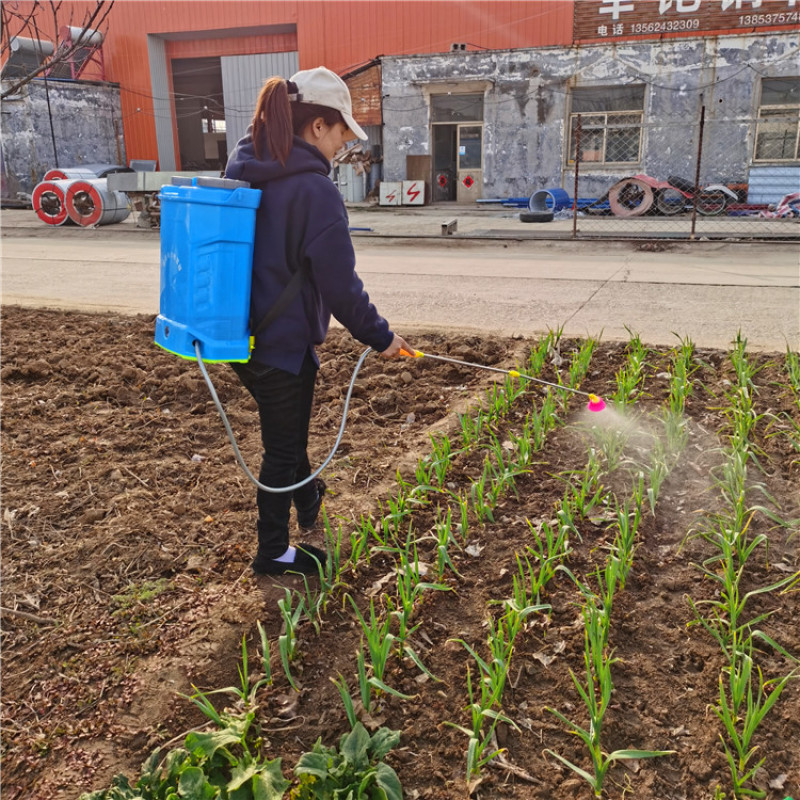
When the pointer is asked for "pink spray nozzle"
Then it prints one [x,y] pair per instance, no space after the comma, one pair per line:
[596,403]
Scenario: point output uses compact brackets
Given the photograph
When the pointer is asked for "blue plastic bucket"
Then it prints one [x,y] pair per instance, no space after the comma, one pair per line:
[549,200]
[207,230]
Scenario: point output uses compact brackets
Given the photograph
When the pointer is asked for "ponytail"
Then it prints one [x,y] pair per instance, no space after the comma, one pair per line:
[279,115]
[273,120]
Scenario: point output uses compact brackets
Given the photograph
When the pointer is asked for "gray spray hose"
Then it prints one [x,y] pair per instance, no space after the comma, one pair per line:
[242,464]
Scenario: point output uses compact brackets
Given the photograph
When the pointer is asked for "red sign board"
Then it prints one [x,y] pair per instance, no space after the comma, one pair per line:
[614,19]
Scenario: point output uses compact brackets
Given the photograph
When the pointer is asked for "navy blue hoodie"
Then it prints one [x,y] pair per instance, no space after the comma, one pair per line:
[302,220]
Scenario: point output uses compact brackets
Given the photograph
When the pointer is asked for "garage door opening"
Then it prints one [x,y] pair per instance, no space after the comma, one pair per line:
[200,113]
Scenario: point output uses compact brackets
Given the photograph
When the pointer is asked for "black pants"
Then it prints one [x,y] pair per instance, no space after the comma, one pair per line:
[284,409]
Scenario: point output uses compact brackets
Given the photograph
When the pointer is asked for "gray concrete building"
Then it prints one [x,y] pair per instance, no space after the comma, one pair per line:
[504,123]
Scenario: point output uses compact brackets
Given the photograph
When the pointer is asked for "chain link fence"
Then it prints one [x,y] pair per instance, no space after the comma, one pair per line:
[705,178]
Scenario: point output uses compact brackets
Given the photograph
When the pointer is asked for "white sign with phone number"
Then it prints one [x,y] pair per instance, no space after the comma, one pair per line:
[629,17]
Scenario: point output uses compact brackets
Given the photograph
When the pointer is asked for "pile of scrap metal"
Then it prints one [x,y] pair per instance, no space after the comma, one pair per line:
[142,188]
[544,205]
[81,196]
[642,194]
[360,158]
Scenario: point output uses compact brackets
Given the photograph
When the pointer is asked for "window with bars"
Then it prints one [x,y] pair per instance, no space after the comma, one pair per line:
[610,124]
[778,126]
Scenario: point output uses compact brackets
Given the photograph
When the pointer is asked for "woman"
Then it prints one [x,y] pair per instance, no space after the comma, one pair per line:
[302,242]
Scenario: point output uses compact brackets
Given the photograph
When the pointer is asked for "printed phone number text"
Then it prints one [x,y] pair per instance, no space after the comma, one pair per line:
[745,21]
[768,19]
[665,26]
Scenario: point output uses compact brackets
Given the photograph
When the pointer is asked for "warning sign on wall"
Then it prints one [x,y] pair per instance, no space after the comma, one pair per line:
[391,193]
[413,193]
[609,19]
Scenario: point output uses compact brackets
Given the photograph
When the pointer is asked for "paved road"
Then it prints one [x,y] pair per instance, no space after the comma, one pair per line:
[704,291]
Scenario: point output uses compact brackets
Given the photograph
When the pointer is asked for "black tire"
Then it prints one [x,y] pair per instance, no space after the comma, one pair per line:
[710,204]
[670,201]
[535,216]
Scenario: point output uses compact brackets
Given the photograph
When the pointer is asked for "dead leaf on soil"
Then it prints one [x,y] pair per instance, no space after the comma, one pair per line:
[544,658]
[777,783]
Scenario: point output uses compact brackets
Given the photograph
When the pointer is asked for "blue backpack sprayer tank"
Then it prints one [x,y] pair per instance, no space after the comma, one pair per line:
[207,234]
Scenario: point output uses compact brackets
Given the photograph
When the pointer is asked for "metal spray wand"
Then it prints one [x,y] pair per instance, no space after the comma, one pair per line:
[596,403]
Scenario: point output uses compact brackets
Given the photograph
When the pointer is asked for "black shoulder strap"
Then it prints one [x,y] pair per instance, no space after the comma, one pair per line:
[281,304]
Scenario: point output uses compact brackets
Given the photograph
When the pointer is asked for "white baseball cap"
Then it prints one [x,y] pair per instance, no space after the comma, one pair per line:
[326,88]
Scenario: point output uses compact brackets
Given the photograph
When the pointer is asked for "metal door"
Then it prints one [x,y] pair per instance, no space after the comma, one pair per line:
[470,163]
[242,79]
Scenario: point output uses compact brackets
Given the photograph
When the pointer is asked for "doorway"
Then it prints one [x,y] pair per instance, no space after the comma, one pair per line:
[445,145]
[199,113]
[470,163]
[457,137]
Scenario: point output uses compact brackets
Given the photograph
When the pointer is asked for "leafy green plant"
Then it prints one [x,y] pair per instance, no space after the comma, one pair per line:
[584,491]
[287,641]
[479,747]
[548,345]
[581,359]
[360,537]
[356,769]
[209,765]
[726,622]
[627,525]
[550,548]
[629,378]
[742,706]
[330,573]
[441,457]
[595,692]
[471,427]
[680,386]
[379,645]
[504,471]
[792,365]
[444,540]
[224,764]
[400,510]
[481,496]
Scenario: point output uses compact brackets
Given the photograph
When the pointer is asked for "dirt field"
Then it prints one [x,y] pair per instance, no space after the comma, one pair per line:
[128,529]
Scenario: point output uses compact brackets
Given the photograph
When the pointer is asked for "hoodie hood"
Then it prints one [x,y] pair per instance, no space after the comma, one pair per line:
[244,165]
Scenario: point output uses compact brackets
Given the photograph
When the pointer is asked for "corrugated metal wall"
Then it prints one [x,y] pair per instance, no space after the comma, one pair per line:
[242,78]
[771,184]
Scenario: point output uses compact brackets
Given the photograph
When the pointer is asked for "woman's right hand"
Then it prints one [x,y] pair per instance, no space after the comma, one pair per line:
[399,347]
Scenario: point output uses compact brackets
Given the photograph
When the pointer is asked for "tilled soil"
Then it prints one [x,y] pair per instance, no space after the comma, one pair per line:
[128,529]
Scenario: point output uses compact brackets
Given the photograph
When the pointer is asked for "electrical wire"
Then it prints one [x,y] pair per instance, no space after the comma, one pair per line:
[232,437]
